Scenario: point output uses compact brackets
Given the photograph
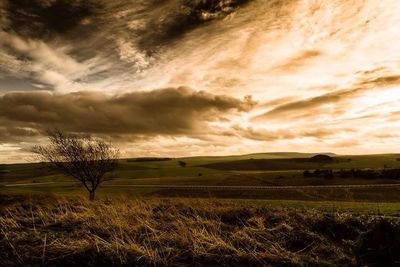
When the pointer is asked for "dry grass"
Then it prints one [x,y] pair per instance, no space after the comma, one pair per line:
[66,232]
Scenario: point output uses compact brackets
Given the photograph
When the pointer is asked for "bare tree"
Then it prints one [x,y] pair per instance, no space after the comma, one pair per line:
[84,158]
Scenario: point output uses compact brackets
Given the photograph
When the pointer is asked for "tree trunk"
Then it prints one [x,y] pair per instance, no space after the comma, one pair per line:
[91,195]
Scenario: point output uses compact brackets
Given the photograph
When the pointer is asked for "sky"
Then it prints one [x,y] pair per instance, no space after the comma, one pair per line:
[202,77]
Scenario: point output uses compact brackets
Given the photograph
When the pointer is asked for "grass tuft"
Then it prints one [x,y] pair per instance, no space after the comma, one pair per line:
[49,231]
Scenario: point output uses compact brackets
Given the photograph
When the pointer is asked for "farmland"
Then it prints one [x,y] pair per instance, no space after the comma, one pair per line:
[250,210]
[269,171]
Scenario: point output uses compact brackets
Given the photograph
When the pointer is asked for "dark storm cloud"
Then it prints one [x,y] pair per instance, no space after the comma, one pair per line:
[16,134]
[36,37]
[45,18]
[108,38]
[179,17]
[161,21]
[167,111]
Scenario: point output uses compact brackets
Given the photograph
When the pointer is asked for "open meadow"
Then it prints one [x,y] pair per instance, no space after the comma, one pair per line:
[210,133]
[252,210]
[270,176]
[60,231]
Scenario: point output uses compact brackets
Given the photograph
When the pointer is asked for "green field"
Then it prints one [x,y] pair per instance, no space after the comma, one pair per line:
[206,213]
[269,169]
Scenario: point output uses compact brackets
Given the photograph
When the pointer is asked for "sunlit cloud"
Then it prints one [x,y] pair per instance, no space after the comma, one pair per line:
[175,77]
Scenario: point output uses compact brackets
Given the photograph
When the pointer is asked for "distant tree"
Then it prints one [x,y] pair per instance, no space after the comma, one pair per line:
[182,163]
[85,158]
[307,173]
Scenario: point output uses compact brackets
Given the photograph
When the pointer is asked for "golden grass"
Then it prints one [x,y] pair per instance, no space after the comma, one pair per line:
[65,232]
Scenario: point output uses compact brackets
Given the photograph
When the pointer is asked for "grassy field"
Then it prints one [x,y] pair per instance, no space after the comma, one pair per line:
[47,231]
[49,222]
[282,164]
[276,169]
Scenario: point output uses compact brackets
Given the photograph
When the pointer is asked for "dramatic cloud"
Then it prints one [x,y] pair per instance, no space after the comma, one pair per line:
[175,18]
[283,133]
[325,74]
[43,18]
[308,105]
[170,111]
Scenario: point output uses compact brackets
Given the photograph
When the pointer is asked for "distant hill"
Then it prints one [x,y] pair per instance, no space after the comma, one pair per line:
[267,155]
[145,159]
[321,158]
[314,162]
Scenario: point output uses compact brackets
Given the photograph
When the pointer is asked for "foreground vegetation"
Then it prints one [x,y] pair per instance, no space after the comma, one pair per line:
[60,231]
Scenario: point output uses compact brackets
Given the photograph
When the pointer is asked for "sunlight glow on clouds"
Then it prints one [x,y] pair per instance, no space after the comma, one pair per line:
[174,78]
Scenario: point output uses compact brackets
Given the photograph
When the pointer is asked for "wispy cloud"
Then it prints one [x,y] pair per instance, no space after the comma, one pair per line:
[322,72]
[310,104]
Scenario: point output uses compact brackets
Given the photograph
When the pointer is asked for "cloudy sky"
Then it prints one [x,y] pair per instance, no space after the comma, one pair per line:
[202,77]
